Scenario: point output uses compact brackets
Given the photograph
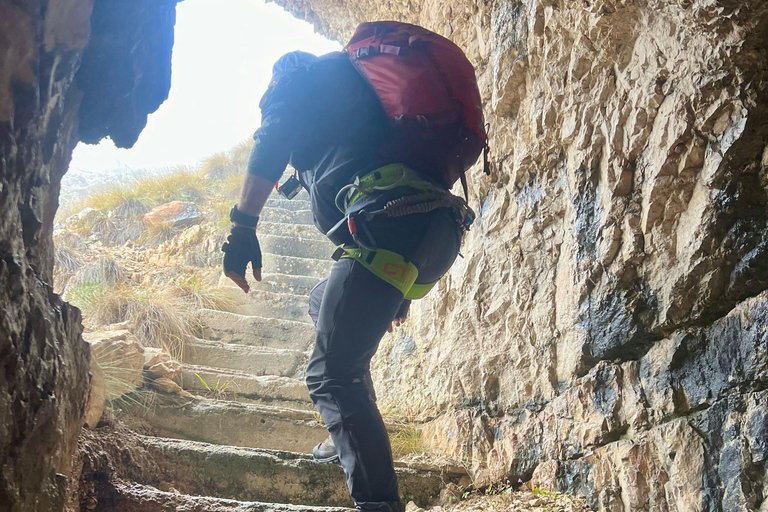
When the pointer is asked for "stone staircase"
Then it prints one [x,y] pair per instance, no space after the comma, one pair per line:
[247,436]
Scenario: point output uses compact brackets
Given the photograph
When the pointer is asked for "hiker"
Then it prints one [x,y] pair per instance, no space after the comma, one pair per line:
[377,134]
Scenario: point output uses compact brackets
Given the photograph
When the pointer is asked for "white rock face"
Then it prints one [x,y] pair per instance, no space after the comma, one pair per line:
[605,331]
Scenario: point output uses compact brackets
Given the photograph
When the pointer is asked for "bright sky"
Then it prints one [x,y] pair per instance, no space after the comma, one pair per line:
[222,63]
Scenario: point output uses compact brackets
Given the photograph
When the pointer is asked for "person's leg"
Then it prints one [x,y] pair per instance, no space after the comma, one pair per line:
[316,299]
[356,310]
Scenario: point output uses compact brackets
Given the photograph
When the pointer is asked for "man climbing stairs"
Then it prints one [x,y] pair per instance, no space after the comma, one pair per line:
[249,433]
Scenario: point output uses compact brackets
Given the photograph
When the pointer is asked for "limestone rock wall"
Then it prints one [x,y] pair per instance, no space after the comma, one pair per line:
[605,332]
[45,379]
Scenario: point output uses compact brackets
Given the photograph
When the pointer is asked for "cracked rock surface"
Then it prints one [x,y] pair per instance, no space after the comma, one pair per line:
[604,333]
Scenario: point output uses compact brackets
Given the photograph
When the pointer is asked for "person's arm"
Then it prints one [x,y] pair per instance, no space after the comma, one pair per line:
[253,197]
[283,111]
[267,162]
[254,194]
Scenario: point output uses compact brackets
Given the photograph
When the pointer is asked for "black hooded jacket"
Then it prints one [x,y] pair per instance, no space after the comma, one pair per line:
[321,116]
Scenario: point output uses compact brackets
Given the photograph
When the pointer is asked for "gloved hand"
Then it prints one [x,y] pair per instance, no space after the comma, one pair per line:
[400,316]
[241,247]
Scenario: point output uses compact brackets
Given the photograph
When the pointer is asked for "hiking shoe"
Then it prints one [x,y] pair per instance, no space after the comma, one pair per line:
[325,452]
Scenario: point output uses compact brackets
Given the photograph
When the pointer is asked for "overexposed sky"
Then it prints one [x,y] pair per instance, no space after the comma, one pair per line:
[222,63]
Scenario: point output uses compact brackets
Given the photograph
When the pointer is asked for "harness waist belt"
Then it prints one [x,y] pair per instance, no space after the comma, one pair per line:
[390,267]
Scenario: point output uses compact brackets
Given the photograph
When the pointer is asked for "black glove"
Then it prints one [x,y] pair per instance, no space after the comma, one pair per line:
[241,247]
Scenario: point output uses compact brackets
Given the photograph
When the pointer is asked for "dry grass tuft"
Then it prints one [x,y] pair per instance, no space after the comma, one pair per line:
[217,166]
[406,442]
[105,270]
[158,234]
[132,201]
[201,292]
[230,186]
[66,260]
[240,153]
[159,317]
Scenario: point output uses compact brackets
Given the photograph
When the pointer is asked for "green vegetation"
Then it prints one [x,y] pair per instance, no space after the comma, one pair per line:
[220,390]
[119,269]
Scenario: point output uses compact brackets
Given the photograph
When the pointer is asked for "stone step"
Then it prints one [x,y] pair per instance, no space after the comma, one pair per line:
[279,283]
[244,358]
[235,423]
[286,283]
[123,497]
[256,331]
[297,230]
[288,204]
[291,265]
[267,389]
[267,304]
[254,474]
[284,216]
[298,247]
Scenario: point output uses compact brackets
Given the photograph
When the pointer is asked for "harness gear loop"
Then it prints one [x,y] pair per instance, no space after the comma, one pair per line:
[384,178]
[427,197]
[390,267]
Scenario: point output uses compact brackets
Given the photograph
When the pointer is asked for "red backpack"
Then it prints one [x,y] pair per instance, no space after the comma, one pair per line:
[427,86]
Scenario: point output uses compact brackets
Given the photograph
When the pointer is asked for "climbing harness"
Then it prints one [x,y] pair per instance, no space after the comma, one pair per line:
[387,265]
[390,267]
[428,197]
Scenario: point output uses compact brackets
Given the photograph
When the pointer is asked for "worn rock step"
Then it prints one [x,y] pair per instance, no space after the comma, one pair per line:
[266,304]
[235,423]
[278,264]
[293,246]
[244,358]
[268,389]
[286,283]
[279,283]
[274,476]
[288,204]
[126,497]
[284,216]
[257,330]
[297,230]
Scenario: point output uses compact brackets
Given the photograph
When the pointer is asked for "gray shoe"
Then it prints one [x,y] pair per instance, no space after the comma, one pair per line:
[325,452]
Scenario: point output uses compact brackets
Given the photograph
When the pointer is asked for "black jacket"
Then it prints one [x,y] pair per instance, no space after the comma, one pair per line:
[321,116]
